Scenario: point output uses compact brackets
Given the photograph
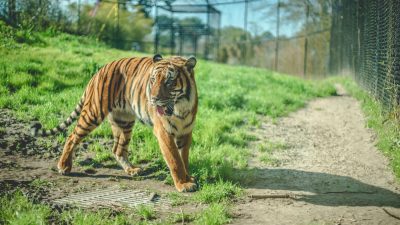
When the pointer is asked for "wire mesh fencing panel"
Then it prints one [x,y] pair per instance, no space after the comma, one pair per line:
[288,36]
[291,56]
[186,29]
[366,41]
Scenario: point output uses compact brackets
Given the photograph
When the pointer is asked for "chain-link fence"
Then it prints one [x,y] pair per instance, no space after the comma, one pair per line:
[288,36]
[366,42]
[186,29]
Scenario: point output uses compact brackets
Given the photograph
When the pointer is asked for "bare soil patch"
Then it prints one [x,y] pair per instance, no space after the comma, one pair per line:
[330,172]
[29,164]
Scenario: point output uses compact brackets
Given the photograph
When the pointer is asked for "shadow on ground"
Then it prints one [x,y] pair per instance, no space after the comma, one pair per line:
[325,189]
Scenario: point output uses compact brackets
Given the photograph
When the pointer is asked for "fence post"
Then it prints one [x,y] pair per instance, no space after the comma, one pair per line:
[246,9]
[335,44]
[306,41]
[219,36]
[157,30]
[376,55]
[277,35]
[208,32]
[172,42]
[118,19]
[79,17]
[12,17]
[181,40]
[195,45]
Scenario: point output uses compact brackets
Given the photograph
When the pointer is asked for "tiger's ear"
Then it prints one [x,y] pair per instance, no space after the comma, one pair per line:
[191,62]
[157,57]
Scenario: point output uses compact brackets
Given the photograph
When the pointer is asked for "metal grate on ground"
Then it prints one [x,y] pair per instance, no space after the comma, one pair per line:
[111,198]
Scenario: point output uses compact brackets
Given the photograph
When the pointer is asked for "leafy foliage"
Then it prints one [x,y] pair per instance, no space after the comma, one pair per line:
[123,31]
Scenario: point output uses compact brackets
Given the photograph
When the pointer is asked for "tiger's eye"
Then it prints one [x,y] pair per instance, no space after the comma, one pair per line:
[169,82]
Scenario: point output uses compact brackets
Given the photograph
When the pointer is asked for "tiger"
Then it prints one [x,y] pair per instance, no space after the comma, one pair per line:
[159,92]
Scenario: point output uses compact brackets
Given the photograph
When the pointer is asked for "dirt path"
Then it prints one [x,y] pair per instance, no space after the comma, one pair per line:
[332,171]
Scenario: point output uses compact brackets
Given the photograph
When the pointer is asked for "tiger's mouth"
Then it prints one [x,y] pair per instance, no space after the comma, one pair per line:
[166,110]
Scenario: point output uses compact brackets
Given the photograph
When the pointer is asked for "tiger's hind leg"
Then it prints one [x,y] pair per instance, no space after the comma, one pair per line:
[122,130]
[85,125]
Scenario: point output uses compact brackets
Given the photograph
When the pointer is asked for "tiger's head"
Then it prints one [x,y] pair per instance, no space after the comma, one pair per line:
[170,83]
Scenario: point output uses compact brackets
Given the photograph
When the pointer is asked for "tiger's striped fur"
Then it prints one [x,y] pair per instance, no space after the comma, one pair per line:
[36,128]
[159,92]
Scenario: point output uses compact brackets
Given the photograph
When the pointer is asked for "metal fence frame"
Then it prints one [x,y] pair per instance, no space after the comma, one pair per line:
[207,30]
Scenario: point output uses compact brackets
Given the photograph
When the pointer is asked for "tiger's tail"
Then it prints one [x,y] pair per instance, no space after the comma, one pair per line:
[37,130]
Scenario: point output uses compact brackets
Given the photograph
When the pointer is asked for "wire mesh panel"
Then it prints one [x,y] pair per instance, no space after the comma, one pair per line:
[115,197]
[365,40]
[287,49]
[393,80]
[318,54]
[187,29]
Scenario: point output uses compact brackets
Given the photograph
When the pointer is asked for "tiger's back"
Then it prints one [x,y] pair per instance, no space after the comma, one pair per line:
[118,87]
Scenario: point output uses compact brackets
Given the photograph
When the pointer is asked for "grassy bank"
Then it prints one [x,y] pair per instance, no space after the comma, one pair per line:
[383,122]
[43,77]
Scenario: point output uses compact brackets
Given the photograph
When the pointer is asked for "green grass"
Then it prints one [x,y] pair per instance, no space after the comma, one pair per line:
[101,217]
[146,212]
[215,214]
[217,192]
[181,218]
[39,183]
[43,76]
[17,209]
[382,121]
[177,199]
[266,149]
[271,146]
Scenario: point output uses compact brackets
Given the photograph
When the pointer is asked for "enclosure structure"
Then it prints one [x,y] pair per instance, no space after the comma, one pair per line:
[287,36]
[365,41]
[175,34]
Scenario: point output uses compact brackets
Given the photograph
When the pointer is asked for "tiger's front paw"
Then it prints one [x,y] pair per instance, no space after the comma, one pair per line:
[65,164]
[191,179]
[64,168]
[133,171]
[186,187]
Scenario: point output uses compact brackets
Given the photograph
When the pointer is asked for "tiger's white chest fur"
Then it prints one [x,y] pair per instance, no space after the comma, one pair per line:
[183,119]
